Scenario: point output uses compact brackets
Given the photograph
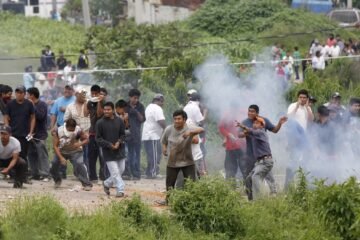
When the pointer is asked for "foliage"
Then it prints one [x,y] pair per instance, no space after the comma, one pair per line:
[27,217]
[28,36]
[210,205]
[338,205]
[71,8]
[299,193]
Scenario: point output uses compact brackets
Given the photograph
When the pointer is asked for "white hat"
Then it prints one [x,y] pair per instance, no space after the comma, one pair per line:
[191,91]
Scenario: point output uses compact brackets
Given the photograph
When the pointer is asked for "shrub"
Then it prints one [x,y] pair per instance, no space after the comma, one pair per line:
[210,205]
[338,205]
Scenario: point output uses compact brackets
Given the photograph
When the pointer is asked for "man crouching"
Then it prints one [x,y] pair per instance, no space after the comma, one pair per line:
[9,156]
[68,141]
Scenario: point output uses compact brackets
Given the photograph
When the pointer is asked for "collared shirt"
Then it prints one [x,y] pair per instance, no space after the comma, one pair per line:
[78,116]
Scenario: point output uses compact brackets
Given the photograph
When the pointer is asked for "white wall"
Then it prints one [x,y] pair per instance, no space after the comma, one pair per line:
[45,8]
[151,11]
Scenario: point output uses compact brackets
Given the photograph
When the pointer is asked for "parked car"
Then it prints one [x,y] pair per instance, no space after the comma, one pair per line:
[346,17]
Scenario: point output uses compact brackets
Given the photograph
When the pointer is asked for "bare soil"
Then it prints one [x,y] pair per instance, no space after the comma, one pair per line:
[75,199]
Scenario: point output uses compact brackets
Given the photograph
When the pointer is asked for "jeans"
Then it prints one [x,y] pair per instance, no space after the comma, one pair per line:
[86,155]
[77,161]
[134,158]
[234,160]
[261,170]
[94,153]
[153,154]
[116,168]
[19,169]
[296,68]
[38,158]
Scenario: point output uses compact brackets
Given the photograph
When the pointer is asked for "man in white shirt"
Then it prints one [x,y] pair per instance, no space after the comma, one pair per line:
[335,50]
[193,111]
[154,126]
[300,111]
[10,149]
[318,61]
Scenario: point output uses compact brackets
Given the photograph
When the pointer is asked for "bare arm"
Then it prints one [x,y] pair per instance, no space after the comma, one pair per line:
[6,120]
[282,120]
[162,123]
[15,157]
[164,149]
[53,121]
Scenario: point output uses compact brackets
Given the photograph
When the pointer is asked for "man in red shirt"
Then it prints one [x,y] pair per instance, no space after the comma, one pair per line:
[234,158]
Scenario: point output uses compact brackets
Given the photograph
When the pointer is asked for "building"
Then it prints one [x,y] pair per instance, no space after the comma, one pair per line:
[38,8]
[161,11]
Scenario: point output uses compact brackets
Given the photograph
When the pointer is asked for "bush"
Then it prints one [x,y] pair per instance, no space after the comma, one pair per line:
[338,205]
[210,205]
[27,217]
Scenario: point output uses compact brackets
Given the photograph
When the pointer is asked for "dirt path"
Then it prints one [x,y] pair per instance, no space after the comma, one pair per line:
[73,198]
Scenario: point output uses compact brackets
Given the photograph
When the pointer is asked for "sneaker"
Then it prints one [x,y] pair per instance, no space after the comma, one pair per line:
[120,195]
[57,184]
[17,184]
[106,189]
[87,188]
[45,179]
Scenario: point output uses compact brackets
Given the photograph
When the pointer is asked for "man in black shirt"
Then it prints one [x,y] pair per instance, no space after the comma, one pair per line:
[20,116]
[110,135]
[136,112]
[38,154]
[61,61]
[95,109]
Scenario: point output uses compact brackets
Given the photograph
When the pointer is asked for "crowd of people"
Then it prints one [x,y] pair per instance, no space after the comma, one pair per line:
[289,64]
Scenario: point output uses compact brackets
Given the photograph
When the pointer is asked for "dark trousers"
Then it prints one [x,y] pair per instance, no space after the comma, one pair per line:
[134,149]
[24,147]
[38,158]
[94,155]
[172,174]
[80,170]
[297,77]
[86,155]
[234,160]
[19,169]
[153,155]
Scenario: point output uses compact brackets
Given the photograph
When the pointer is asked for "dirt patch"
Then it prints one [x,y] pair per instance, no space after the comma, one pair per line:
[74,199]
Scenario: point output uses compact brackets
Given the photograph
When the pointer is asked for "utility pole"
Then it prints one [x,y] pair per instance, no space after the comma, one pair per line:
[86,13]
[349,4]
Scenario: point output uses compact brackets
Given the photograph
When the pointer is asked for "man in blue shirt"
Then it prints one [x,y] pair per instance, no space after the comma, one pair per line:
[253,113]
[59,107]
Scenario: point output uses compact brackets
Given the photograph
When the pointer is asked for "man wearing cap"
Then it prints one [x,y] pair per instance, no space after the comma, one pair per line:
[253,113]
[335,104]
[79,112]
[152,131]
[20,116]
[262,153]
[192,109]
[9,156]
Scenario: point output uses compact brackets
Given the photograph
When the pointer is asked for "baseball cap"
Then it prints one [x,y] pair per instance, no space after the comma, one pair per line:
[158,96]
[5,129]
[191,91]
[260,120]
[20,88]
[195,97]
[313,99]
[336,95]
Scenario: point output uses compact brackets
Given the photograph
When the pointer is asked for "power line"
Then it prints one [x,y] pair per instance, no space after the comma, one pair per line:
[113,70]
[194,45]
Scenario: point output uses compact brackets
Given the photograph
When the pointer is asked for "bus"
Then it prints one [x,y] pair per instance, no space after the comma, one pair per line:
[317,6]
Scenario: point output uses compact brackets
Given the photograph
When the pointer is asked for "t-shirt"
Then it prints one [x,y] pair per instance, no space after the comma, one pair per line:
[12,147]
[134,122]
[152,129]
[55,110]
[92,108]
[301,115]
[20,117]
[179,148]
[249,144]
[67,141]
[28,80]
[318,63]
[297,58]
[193,112]
[41,120]
[195,147]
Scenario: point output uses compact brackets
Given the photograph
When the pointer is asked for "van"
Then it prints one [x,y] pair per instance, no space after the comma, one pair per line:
[317,6]
[345,17]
